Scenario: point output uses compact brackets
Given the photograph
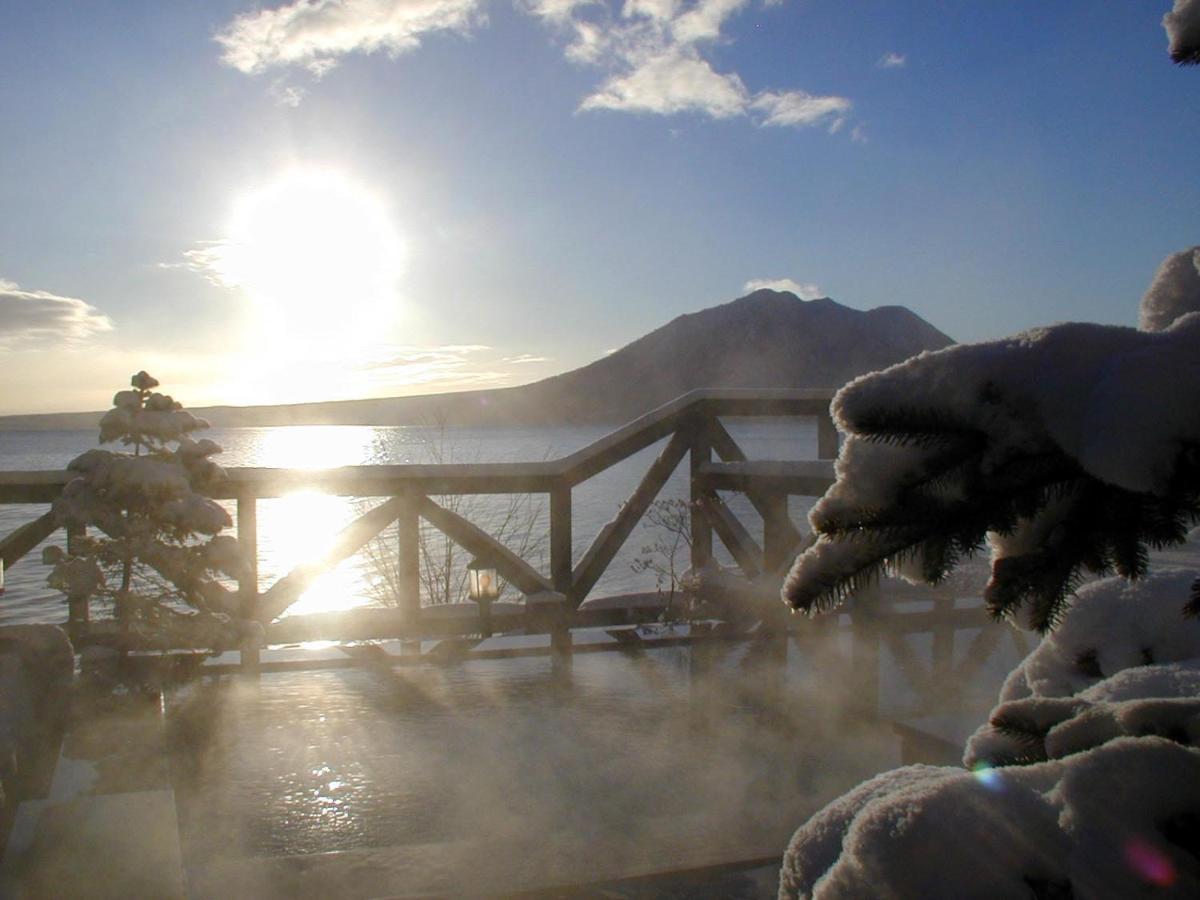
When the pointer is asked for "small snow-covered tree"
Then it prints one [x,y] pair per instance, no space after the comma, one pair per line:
[156,551]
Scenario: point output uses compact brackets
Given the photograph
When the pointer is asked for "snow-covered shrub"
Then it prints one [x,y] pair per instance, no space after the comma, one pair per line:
[1118,820]
[156,551]
[1122,662]
[1183,30]
[1071,449]
[1082,784]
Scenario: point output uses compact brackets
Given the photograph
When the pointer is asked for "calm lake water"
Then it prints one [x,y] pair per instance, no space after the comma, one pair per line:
[296,528]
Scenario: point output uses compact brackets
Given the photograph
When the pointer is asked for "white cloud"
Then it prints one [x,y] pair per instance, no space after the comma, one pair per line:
[1183,30]
[892,61]
[796,108]
[523,358]
[446,366]
[807,291]
[42,317]
[653,54]
[677,81]
[317,33]
[557,11]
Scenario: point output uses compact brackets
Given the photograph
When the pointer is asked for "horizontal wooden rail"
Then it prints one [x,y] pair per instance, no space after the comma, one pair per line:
[807,478]
[39,486]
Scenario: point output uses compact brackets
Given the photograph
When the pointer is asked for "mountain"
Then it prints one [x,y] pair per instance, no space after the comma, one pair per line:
[767,339]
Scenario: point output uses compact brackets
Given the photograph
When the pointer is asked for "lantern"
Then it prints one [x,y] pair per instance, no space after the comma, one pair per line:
[484,582]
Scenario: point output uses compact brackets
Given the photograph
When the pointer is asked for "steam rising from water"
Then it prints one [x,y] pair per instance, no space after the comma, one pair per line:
[513,773]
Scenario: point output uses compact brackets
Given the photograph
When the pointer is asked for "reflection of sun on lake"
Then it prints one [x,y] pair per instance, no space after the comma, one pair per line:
[301,526]
[316,446]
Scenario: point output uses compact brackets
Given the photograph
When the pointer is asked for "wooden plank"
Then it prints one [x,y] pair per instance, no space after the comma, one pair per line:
[919,679]
[978,653]
[38,486]
[275,601]
[32,486]
[694,405]
[561,551]
[827,436]
[781,539]
[408,548]
[943,639]
[247,529]
[480,478]
[391,481]
[745,551]
[804,478]
[25,538]
[613,535]
[865,631]
[780,535]
[701,456]
[453,648]
[909,622]
[482,545]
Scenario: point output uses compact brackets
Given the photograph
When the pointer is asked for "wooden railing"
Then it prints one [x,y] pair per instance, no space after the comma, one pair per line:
[692,424]
[557,601]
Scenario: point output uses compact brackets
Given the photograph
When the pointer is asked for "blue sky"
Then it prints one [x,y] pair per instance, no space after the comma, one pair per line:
[546,181]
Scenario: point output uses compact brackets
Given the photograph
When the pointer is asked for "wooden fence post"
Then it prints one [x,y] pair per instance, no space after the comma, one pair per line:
[408,567]
[864,654]
[701,453]
[562,573]
[78,612]
[247,529]
[827,437]
[777,531]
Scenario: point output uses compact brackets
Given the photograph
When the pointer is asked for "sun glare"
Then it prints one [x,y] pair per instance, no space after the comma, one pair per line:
[317,253]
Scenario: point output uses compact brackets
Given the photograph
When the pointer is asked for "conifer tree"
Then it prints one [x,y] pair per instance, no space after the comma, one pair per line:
[155,550]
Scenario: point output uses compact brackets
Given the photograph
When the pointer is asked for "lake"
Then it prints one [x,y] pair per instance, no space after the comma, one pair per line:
[296,528]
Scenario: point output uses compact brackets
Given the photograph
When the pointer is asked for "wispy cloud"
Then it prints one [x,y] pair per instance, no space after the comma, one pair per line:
[212,259]
[315,34]
[525,358]
[653,55]
[805,291]
[446,366]
[35,317]
[892,61]
[796,108]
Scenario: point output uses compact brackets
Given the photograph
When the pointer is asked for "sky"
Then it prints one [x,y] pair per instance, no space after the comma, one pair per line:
[313,200]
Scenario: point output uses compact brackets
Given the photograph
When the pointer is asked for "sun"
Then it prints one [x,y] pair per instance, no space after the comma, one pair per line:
[316,252]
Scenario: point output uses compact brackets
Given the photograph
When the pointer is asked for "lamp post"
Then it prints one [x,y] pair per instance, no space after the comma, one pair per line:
[483,587]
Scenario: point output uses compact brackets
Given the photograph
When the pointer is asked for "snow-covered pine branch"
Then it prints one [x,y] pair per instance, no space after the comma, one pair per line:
[1183,30]
[1071,449]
